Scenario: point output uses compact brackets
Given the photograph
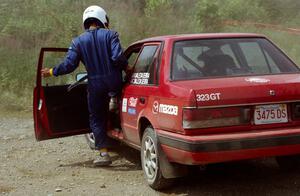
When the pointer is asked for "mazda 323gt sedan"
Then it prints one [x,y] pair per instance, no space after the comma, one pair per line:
[191,100]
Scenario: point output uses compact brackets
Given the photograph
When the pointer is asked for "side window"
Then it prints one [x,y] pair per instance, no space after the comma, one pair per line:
[132,57]
[272,64]
[145,67]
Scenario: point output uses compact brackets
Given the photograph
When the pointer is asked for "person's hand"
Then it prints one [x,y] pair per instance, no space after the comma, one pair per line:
[46,72]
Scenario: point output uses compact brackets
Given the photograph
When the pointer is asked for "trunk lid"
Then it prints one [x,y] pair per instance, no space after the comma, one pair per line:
[245,90]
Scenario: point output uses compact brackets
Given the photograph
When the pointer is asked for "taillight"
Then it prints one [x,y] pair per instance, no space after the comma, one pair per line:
[215,117]
[296,111]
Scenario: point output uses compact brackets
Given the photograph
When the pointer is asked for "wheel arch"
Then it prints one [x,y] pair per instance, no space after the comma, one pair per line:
[144,122]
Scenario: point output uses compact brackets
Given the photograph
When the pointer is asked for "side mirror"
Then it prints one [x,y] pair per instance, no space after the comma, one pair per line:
[80,76]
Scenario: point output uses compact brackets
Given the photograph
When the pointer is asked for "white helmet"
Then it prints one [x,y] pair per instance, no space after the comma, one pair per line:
[95,12]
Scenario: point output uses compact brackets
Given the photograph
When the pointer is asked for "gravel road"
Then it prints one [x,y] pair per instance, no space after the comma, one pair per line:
[64,167]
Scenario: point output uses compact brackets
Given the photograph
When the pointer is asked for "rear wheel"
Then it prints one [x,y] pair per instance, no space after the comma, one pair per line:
[150,161]
[289,162]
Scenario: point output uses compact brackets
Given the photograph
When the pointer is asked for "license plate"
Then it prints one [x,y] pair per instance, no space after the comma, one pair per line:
[269,114]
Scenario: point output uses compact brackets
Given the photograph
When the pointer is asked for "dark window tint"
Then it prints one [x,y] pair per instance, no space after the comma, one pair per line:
[227,57]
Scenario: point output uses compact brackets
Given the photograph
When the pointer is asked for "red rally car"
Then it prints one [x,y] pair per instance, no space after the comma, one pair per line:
[191,100]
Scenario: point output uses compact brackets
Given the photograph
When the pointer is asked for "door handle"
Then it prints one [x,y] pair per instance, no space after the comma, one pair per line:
[142,100]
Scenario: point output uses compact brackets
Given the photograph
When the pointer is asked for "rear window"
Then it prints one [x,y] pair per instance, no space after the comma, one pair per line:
[195,59]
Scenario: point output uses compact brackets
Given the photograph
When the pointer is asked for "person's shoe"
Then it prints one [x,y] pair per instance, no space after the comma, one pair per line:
[102,160]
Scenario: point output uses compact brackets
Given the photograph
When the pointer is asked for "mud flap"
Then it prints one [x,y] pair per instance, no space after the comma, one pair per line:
[170,170]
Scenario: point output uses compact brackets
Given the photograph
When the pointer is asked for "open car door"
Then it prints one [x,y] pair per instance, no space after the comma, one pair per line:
[58,112]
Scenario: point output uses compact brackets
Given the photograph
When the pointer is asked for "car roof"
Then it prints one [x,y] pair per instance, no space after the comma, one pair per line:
[199,36]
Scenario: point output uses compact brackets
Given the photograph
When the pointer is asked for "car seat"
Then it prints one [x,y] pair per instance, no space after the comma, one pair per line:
[218,65]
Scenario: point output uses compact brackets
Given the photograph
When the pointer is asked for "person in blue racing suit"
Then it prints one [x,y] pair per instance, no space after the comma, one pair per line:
[100,51]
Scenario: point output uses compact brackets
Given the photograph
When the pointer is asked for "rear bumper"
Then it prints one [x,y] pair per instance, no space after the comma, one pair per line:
[193,150]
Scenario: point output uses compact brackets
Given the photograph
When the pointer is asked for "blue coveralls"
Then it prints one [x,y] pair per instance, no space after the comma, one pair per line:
[101,53]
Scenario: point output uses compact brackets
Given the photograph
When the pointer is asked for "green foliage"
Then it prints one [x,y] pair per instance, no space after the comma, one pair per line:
[210,14]
[153,5]
[28,25]
[284,12]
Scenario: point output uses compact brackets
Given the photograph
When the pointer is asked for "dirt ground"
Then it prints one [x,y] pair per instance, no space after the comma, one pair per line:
[64,167]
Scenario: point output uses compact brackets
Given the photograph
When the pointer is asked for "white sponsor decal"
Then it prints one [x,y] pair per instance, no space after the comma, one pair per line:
[164,109]
[141,75]
[257,80]
[140,78]
[124,105]
[208,97]
[168,109]
[132,102]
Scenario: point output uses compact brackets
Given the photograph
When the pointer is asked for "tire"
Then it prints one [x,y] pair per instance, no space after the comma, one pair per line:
[289,163]
[90,140]
[150,161]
